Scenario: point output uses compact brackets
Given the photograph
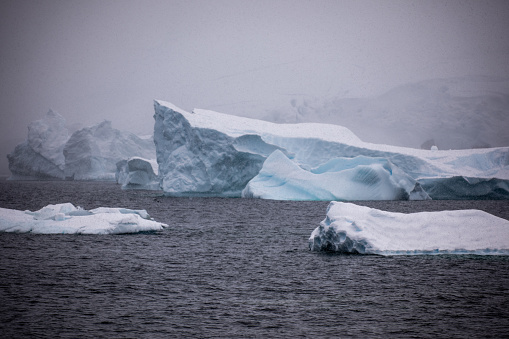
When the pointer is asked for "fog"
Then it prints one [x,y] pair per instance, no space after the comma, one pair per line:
[96,60]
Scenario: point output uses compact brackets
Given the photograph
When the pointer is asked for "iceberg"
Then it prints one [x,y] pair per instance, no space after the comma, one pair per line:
[68,219]
[137,173]
[196,160]
[210,153]
[359,178]
[92,153]
[349,228]
[41,155]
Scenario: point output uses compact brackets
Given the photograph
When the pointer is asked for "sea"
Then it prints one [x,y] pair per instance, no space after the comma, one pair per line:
[235,268]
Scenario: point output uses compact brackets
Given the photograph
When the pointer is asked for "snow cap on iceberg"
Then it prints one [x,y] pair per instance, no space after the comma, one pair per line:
[349,228]
[67,219]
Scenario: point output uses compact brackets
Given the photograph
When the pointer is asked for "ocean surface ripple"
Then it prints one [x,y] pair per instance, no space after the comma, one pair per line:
[234,268]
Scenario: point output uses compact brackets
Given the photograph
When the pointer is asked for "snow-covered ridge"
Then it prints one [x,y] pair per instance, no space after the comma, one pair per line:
[210,153]
[350,228]
[68,219]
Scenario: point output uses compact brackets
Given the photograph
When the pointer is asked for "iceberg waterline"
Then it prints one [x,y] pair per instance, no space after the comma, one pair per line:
[210,153]
[350,228]
[67,219]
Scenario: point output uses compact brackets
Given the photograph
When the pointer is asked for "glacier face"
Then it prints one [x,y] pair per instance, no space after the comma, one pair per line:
[67,219]
[137,173]
[210,153]
[349,228]
[41,155]
[88,154]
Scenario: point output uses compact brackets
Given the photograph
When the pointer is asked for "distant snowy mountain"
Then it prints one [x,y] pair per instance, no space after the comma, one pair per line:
[454,113]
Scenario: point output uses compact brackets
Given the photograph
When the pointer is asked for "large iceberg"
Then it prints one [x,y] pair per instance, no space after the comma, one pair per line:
[41,155]
[68,219]
[201,160]
[210,153]
[359,178]
[349,228]
[137,173]
[90,153]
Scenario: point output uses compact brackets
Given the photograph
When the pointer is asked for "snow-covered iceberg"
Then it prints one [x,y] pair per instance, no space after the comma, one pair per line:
[137,173]
[210,153]
[359,178]
[67,219]
[41,155]
[349,228]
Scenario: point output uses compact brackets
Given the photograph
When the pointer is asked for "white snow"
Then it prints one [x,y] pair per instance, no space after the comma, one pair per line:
[349,228]
[67,219]
[137,173]
[359,178]
[210,153]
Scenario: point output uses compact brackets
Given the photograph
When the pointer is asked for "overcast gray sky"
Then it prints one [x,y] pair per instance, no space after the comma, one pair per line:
[95,60]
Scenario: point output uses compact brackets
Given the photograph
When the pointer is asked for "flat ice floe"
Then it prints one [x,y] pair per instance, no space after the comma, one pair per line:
[67,219]
[349,228]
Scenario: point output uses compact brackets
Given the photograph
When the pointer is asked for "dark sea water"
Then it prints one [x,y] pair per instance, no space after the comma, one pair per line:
[234,268]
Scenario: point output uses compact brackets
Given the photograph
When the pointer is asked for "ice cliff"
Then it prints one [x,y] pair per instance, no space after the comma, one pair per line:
[349,228]
[196,160]
[209,153]
[90,153]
